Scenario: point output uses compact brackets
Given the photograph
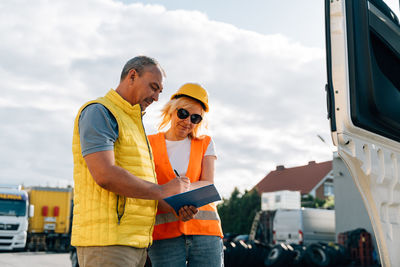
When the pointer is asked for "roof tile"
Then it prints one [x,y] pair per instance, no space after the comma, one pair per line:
[302,178]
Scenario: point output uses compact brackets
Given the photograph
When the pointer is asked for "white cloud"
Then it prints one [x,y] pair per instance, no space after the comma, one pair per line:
[266,91]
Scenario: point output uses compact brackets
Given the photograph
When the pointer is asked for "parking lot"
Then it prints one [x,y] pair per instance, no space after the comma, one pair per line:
[34,259]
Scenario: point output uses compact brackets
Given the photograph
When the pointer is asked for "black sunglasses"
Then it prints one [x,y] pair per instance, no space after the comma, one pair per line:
[183,114]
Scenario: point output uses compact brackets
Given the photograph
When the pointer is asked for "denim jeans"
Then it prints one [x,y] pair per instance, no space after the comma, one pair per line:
[187,250]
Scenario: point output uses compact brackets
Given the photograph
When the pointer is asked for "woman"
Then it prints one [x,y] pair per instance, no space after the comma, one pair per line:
[197,242]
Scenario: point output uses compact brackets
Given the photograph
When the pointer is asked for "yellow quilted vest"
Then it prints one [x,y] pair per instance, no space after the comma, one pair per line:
[95,221]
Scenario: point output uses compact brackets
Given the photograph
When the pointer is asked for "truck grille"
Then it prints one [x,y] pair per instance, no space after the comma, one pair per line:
[8,227]
[5,237]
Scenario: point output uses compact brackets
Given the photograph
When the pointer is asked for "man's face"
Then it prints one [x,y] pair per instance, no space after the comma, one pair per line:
[147,87]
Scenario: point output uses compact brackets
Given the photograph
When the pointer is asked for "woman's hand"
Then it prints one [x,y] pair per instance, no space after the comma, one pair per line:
[187,213]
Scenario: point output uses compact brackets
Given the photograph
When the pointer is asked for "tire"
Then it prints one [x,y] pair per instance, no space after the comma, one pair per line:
[257,253]
[298,257]
[279,255]
[252,255]
[74,258]
[344,255]
[332,254]
[241,253]
[317,256]
[338,254]
[229,254]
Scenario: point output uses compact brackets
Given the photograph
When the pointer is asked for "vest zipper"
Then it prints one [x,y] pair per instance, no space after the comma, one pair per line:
[147,141]
[152,164]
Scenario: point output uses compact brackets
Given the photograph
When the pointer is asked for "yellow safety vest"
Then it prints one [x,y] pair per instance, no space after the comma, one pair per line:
[95,221]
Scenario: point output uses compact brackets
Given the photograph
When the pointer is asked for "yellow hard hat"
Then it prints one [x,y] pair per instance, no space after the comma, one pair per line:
[193,90]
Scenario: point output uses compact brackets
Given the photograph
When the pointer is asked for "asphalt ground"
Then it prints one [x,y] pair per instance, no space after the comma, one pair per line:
[34,259]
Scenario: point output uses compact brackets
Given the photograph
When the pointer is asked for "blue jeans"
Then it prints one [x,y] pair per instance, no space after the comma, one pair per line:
[187,250]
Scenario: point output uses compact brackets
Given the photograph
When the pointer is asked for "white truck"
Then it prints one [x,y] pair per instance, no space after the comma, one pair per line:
[303,226]
[14,213]
[363,93]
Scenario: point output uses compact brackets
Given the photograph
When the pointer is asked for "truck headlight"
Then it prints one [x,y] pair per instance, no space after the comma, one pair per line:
[20,236]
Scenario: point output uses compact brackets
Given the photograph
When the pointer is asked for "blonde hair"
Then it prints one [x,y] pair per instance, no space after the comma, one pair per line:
[182,102]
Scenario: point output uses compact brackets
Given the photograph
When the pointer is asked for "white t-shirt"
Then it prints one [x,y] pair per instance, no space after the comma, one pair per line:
[179,154]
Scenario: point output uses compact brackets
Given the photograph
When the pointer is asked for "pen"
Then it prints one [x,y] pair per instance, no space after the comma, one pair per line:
[177,174]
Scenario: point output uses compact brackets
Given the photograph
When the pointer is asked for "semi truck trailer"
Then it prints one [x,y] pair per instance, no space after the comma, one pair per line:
[49,228]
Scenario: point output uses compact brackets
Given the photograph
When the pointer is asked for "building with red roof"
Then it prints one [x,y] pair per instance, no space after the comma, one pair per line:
[314,178]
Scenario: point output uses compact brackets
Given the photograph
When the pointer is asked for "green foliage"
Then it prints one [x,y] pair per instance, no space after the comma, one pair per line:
[237,212]
[329,203]
[308,201]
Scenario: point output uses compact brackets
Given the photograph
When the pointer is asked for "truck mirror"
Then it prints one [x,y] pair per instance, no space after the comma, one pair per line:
[31,211]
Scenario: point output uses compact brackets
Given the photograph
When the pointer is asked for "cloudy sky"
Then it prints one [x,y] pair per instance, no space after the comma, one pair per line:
[262,62]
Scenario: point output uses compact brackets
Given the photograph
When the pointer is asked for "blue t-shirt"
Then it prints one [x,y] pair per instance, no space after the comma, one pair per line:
[98,129]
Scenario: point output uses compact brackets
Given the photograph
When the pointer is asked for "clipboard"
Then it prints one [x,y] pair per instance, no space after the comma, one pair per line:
[197,197]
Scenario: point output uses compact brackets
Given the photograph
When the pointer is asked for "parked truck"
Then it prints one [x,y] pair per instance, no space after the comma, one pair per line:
[49,228]
[293,226]
[46,229]
[15,211]
[303,226]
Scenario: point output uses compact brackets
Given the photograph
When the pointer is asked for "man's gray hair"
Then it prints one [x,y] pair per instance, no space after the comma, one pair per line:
[139,63]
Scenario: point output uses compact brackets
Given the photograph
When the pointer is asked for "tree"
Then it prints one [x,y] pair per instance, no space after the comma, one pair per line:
[308,201]
[329,203]
[238,211]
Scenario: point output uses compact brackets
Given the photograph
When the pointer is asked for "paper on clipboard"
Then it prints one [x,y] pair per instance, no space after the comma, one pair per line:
[197,197]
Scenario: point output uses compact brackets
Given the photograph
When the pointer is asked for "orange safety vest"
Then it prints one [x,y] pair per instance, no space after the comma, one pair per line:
[206,221]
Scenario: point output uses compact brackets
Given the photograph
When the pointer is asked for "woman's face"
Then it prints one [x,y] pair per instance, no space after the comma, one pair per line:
[181,128]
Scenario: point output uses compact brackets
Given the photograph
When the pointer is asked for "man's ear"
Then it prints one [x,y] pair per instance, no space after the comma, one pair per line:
[132,74]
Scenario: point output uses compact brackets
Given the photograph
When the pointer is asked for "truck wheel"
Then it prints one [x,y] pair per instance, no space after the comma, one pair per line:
[30,246]
[74,258]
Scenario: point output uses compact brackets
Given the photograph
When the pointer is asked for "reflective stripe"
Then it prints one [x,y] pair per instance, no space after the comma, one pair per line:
[165,218]
[201,215]
[207,215]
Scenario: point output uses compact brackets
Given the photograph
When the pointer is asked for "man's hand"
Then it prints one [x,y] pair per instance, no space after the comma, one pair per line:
[176,186]
[187,213]
[120,181]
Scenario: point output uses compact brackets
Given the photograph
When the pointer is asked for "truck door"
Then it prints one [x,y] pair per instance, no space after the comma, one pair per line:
[286,226]
[363,92]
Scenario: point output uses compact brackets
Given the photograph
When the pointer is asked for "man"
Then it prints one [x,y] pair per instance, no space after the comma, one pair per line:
[115,195]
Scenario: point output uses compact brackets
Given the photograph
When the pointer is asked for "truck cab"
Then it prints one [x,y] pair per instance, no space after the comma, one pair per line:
[363,96]
[14,214]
